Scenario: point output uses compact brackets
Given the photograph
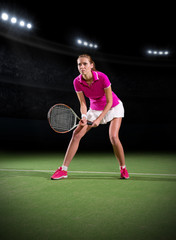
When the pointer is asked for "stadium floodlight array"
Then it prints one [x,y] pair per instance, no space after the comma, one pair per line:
[157,52]
[86,43]
[15,21]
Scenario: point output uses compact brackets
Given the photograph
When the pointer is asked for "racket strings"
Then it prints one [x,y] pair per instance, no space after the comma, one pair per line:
[62,119]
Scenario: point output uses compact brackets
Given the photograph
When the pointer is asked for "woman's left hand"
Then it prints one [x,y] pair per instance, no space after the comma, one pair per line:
[96,123]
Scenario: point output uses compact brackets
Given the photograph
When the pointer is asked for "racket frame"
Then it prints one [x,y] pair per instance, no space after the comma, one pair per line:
[76,117]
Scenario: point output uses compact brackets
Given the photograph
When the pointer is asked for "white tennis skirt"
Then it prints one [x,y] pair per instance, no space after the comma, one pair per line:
[115,112]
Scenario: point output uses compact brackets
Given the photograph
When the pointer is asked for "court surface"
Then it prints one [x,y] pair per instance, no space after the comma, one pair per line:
[93,203]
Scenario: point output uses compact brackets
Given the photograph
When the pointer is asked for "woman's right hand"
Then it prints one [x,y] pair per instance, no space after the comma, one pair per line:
[83,122]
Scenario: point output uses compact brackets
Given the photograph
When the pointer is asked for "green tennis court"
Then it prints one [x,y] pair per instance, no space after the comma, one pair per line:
[93,203]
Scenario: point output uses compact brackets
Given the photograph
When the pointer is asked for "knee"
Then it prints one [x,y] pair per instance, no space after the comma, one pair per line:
[76,135]
[114,139]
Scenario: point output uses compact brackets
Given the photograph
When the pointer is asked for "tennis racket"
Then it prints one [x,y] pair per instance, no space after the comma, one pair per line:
[62,118]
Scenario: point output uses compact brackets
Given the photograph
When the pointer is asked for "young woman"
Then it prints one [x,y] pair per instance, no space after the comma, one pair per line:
[105,107]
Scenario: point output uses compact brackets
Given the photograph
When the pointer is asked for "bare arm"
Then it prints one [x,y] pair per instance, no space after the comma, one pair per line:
[83,107]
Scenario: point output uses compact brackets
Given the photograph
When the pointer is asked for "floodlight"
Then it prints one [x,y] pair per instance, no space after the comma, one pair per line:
[13,20]
[158,52]
[85,43]
[79,41]
[29,25]
[4,16]
[22,23]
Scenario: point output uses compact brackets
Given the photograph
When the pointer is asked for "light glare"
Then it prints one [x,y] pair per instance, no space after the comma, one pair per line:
[22,23]
[13,20]
[157,52]
[29,25]
[79,41]
[86,43]
[4,16]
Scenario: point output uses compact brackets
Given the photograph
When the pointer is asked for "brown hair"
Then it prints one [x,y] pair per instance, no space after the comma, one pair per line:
[90,60]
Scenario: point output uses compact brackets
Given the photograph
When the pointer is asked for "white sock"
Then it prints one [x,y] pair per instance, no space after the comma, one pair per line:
[123,167]
[64,168]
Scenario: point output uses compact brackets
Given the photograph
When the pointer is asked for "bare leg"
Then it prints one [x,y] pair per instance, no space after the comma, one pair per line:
[78,133]
[115,141]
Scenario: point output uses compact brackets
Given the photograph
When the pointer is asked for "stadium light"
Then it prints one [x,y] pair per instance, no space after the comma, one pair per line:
[13,20]
[29,25]
[22,23]
[4,16]
[157,52]
[86,44]
[79,41]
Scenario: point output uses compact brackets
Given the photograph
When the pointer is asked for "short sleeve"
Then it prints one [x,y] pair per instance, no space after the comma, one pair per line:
[106,82]
[77,85]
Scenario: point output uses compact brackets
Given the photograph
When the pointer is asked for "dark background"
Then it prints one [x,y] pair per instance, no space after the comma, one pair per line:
[37,69]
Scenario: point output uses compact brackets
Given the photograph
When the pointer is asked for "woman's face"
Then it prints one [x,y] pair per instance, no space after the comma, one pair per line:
[84,66]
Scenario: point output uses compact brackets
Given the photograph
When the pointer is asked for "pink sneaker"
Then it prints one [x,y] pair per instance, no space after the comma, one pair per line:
[59,174]
[124,173]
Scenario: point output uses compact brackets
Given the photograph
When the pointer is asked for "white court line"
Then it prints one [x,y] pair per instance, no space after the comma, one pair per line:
[83,172]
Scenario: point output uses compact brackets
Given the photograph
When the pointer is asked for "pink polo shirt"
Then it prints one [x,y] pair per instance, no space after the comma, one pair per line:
[95,92]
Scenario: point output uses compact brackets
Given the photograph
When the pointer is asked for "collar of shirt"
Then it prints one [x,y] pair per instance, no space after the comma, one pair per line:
[95,78]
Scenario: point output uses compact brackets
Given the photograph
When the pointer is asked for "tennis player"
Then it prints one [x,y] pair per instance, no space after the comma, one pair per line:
[105,107]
